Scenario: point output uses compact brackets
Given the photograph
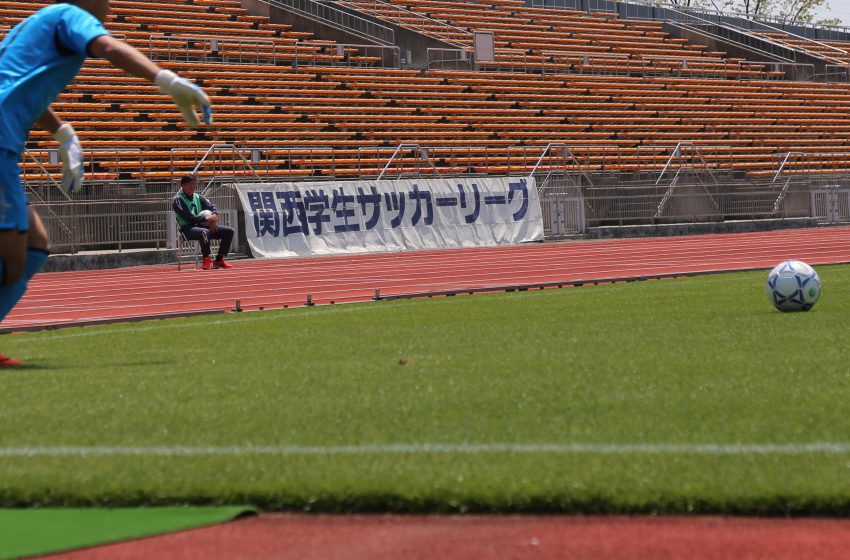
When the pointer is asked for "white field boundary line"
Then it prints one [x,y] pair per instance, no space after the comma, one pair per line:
[740,449]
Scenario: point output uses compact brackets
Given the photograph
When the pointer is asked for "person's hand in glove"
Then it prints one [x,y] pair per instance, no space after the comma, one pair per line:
[71,154]
[186,96]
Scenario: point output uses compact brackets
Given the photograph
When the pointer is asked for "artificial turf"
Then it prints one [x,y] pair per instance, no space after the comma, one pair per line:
[688,361]
[44,531]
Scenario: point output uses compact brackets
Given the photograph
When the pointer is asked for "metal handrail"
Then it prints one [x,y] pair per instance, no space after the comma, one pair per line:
[399,149]
[340,49]
[807,40]
[426,21]
[566,155]
[761,19]
[339,19]
[234,150]
[213,42]
[722,23]
[723,20]
[65,228]
[783,164]
[711,17]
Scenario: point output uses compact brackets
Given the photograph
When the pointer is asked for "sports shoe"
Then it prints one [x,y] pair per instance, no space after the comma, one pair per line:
[206,264]
[220,263]
[6,361]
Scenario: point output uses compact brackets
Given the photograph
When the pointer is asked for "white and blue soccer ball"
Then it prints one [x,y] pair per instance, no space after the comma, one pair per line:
[793,286]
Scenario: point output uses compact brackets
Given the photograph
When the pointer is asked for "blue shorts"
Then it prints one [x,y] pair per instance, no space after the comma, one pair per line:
[14,213]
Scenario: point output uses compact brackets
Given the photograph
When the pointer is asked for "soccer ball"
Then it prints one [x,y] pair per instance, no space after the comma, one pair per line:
[793,286]
[205,214]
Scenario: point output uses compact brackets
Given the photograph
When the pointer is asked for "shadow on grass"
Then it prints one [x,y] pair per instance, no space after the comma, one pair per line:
[26,367]
[146,363]
[47,366]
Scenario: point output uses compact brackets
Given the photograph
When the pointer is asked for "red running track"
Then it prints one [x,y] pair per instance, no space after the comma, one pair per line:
[78,297]
[392,537]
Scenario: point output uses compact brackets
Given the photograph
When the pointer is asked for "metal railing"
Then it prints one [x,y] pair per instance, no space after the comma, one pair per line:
[753,35]
[403,17]
[400,161]
[346,55]
[834,54]
[338,19]
[612,65]
[450,59]
[580,186]
[693,201]
[737,28]
[578,5]
[834,73]
[216,49]
[108,172]
[708,13]
[219,160]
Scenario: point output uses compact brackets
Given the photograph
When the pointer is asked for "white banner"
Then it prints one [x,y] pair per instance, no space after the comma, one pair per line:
[301,219]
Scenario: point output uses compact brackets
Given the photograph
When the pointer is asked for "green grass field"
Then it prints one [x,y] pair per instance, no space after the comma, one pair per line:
[591,399]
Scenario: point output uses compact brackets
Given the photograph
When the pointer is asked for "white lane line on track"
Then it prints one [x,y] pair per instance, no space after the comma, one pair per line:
[739,449]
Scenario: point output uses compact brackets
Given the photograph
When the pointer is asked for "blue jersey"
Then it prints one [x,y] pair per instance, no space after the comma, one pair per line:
[38,59]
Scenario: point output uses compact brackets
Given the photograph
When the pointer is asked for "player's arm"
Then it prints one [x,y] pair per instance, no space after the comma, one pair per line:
[70,151]
[49,121]
[186,95]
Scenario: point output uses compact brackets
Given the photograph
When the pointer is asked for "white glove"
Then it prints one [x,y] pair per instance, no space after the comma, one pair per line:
[71,154]
[186,96]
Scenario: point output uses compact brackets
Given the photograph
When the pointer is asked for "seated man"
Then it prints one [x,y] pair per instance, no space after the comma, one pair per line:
[198,219]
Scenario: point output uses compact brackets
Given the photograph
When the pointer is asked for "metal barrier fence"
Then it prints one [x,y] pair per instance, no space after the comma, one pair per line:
[640,9]
[450,59]
[124,224]
[413,20]
[613,65]
[212,49]
[739,19]
[693,201]
[835,73]
[580,186]
[339,19]
[728,26]
[313,53]
[578,5]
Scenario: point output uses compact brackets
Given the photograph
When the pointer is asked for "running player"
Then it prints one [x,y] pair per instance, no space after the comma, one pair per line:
[38,59]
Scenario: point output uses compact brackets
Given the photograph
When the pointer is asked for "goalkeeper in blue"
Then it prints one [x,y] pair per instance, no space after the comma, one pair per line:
[38,59]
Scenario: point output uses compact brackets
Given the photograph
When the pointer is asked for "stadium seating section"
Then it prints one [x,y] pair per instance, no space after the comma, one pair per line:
[311,109]
[837,52]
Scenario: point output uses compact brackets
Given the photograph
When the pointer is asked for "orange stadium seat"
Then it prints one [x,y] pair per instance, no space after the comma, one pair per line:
[609,84]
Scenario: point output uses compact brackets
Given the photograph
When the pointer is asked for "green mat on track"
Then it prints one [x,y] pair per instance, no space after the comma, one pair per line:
[31,532]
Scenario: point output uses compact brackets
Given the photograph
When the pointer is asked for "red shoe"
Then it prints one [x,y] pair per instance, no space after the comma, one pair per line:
[6,361]
[219,263]
[206,264]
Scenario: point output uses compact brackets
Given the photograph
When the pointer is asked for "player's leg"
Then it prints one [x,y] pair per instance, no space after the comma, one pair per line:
[13,255]
[23,238]
[23,241]
[225,234]
[33,245]
[202,236]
